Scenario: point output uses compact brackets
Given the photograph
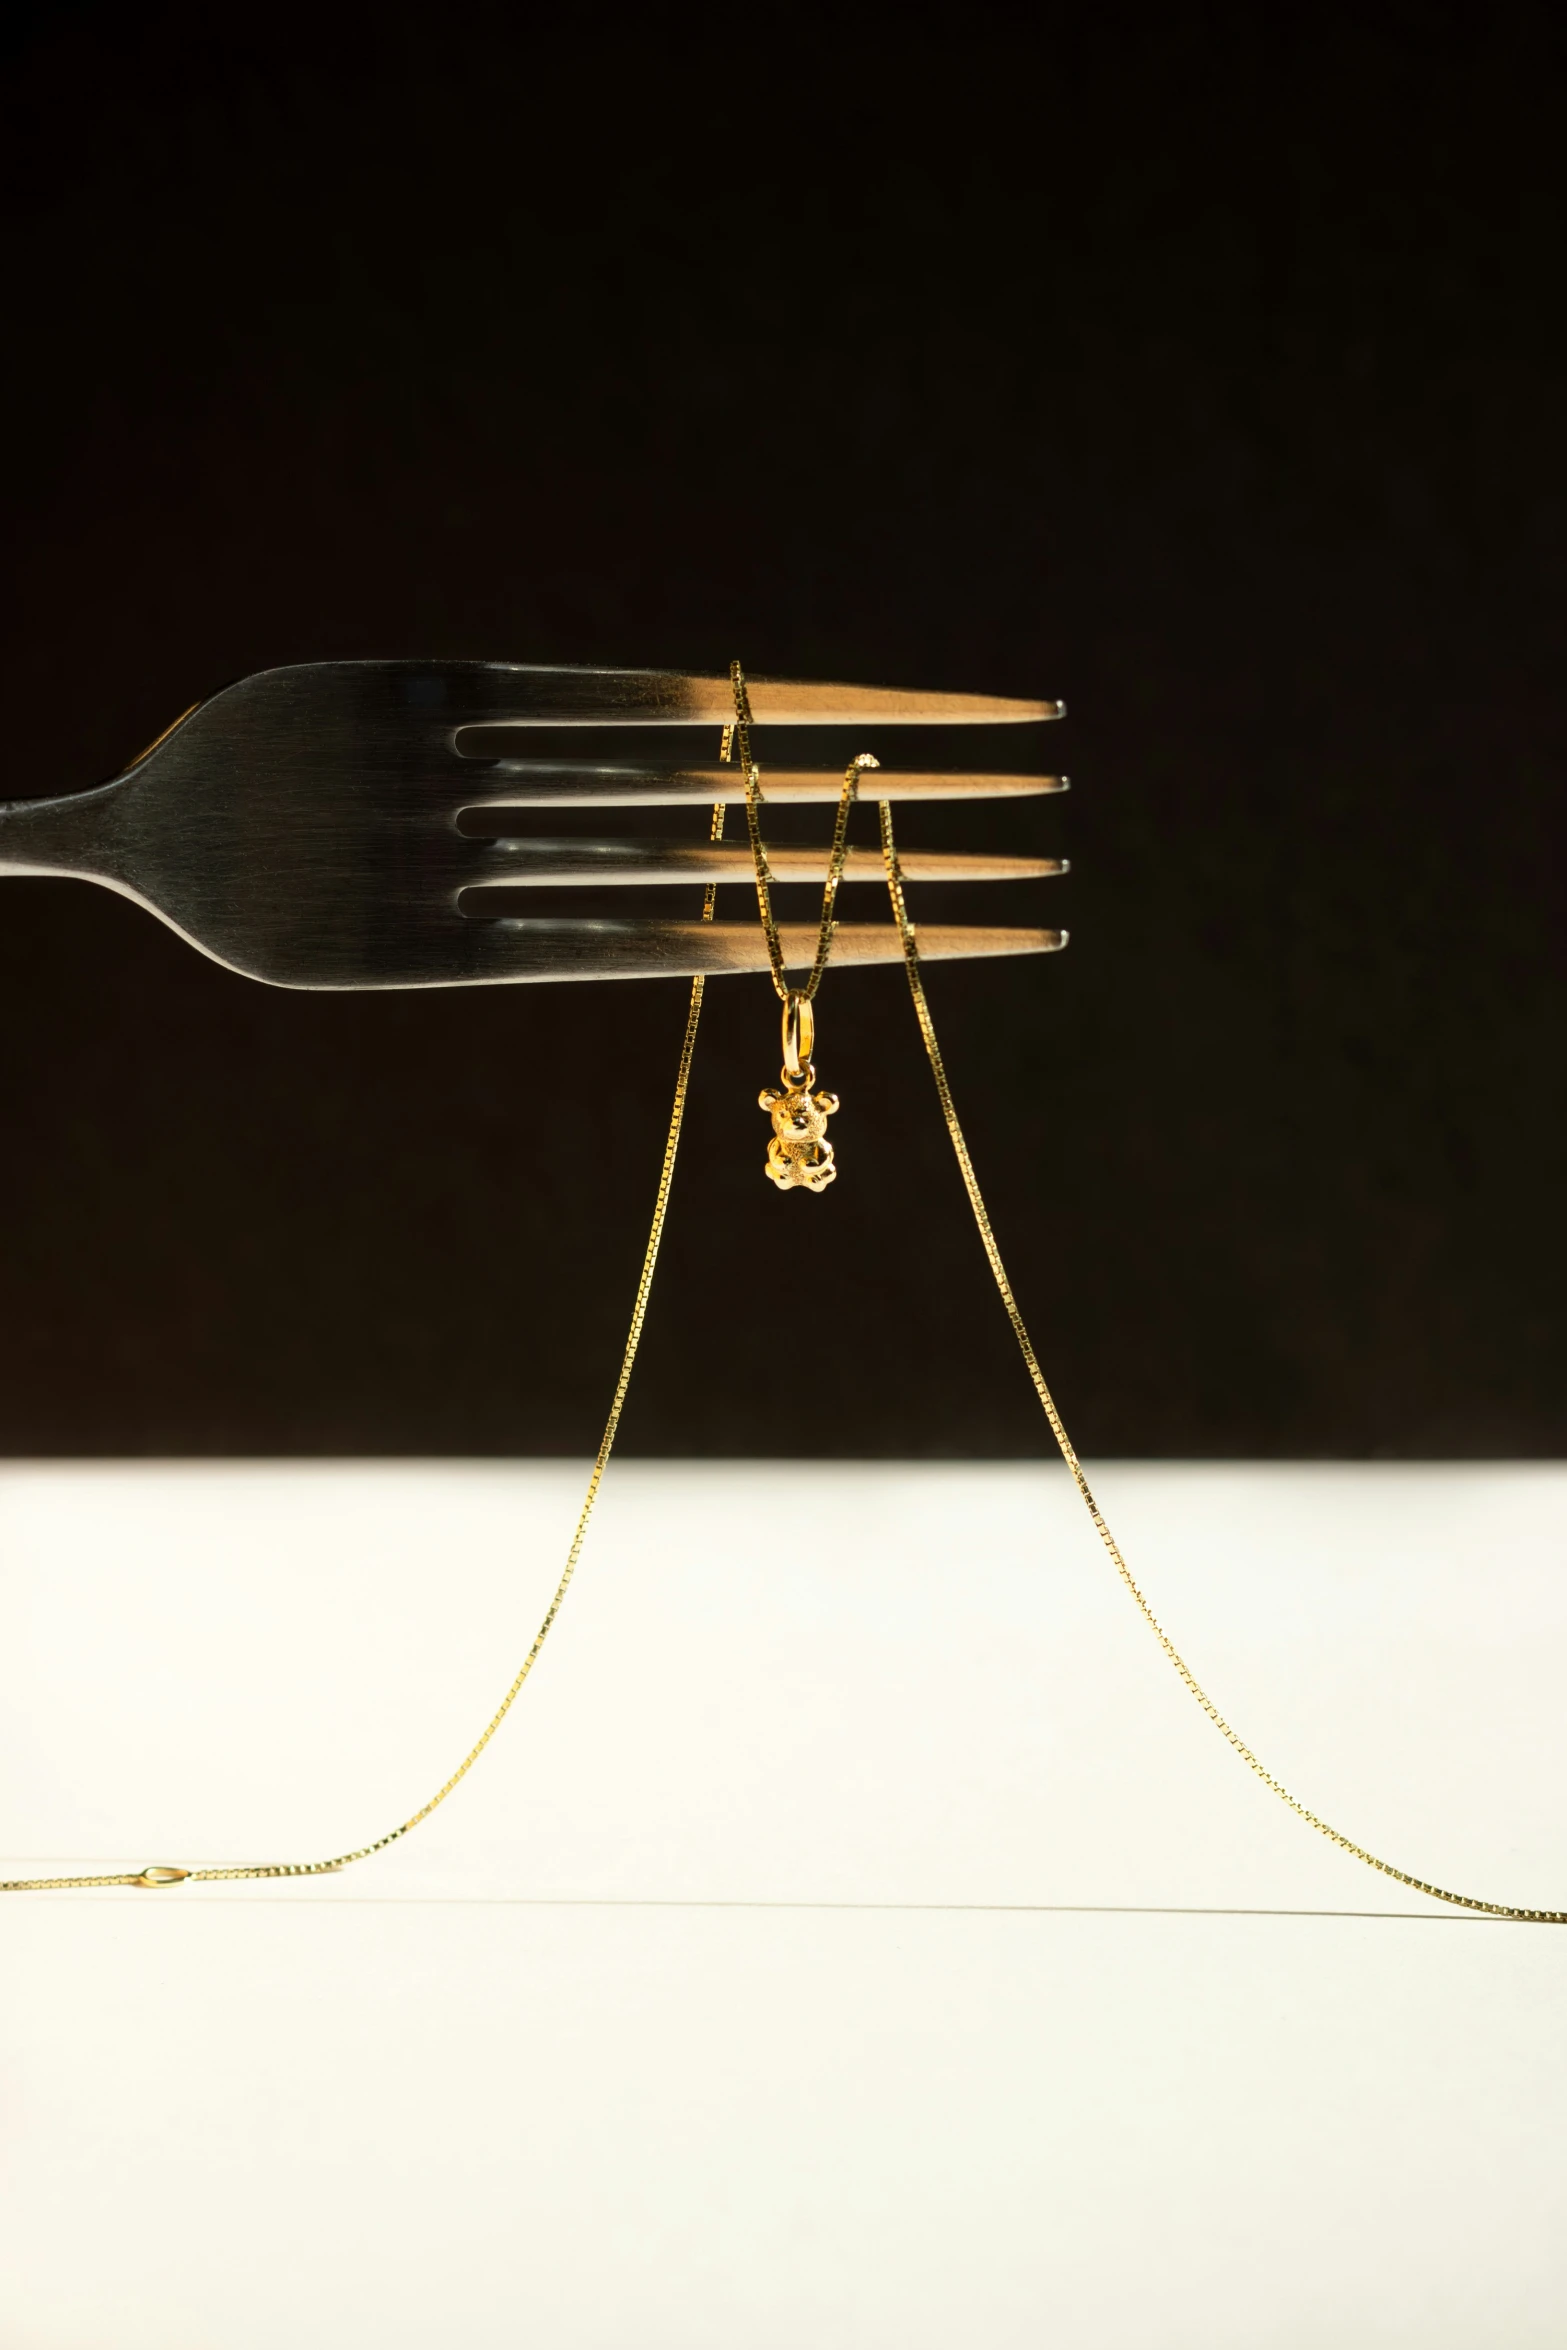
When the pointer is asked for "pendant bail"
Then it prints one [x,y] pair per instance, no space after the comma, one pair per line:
[799,1036]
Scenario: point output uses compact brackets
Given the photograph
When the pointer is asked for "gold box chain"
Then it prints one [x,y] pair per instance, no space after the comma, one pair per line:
[739,735]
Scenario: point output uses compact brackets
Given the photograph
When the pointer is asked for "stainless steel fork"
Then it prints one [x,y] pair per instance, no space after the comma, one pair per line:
[315,826]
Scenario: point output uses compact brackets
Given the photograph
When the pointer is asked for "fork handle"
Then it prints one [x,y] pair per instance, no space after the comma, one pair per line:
[71,835]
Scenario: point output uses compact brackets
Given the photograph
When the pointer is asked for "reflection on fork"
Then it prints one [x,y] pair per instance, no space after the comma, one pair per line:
[323,826]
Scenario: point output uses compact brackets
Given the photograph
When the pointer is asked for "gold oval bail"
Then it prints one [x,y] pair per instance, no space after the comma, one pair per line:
[799,1035]
[161,1876]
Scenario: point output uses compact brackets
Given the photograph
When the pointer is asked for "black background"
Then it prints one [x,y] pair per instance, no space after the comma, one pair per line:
[1203,369]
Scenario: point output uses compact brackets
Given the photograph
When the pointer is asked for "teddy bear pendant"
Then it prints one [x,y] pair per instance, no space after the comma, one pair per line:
[799,1152]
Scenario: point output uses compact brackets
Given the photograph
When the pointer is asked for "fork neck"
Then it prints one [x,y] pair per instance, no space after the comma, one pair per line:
[71,835]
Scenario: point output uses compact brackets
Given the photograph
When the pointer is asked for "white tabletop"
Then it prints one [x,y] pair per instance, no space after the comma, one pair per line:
[856,1937]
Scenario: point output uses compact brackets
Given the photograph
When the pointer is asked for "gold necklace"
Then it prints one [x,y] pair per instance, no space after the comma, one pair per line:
[740,735]
[799,1155]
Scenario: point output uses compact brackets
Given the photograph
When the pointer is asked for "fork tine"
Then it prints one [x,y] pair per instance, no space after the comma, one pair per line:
[775,702]
[539,783]
[560,949]
[499,693]
[507,869]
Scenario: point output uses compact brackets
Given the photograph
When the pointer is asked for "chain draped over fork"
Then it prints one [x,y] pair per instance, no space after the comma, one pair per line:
[797,1004]
[799,1156]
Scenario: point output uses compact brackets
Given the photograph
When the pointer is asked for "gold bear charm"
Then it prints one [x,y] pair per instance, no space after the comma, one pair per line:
[799,1152]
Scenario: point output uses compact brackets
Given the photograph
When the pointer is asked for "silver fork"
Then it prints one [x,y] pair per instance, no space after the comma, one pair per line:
[305,826]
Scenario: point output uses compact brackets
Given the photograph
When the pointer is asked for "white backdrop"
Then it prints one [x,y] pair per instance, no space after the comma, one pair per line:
[1003,2075]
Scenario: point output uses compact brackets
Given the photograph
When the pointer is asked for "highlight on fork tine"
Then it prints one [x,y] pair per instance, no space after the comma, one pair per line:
[523,864]
[512,947]
[565,783]
[775,702]
[500,694]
